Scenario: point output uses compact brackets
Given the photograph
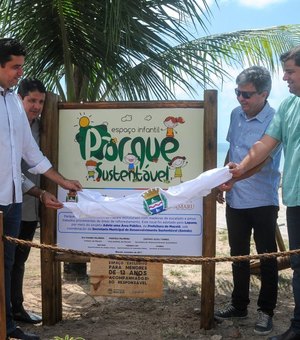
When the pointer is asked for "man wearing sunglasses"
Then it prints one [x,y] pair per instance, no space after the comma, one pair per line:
[252,204]
[285,129]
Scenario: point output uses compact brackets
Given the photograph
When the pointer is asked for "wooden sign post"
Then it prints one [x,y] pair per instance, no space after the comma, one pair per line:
[2,284]
[202,156]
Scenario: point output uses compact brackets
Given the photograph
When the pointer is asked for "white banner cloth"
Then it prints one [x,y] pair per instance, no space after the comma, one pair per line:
[152,201]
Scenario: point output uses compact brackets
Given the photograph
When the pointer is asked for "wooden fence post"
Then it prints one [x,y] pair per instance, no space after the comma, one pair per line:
[2,283]
[209,208]
[50,268]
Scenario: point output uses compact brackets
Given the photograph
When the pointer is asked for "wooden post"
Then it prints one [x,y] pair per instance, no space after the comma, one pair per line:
[51,276]
[279,239]
[2,283]
[285,261]
[209,208]
[50,268]
[282,262]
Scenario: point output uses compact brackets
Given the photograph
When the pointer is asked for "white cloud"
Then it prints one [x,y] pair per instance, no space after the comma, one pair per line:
[259,3]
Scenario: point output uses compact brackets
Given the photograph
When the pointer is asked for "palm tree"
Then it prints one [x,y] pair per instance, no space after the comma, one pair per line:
[133,49]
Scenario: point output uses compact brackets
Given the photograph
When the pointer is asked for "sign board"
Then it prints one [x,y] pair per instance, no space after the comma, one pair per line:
[126,278]
[119,151]
[203,142]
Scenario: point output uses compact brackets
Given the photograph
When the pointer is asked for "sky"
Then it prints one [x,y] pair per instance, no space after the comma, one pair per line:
[236,15]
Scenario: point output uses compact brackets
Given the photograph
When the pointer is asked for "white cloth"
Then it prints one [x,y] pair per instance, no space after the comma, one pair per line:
[16,142]
[92,204]
[26,184]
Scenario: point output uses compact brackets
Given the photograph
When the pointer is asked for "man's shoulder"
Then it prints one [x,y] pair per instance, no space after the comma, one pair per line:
[237,111]
[290,100]
[289,105]
[267,112]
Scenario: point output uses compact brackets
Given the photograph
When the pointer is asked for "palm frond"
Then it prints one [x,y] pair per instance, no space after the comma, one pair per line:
[133,49]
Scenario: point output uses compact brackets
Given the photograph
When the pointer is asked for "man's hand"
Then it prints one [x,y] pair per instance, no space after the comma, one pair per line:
[50,201]
[68,184]
[236,169]
[220,198]
[71,184]
[224,187]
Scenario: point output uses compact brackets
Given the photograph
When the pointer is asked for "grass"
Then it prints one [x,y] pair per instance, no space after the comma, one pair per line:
[177,273]
[67,337]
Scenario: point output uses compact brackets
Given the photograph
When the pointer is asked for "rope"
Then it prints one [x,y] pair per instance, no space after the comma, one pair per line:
[158,259]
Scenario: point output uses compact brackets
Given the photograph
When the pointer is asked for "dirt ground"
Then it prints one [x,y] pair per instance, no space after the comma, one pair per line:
[175,316]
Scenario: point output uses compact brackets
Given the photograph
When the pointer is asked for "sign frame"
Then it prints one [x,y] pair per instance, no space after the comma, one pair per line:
[51,262]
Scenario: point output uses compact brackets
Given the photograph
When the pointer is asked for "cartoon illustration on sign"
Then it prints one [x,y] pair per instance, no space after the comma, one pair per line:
[171,122]
[91,167]
[131,160]
[176,164]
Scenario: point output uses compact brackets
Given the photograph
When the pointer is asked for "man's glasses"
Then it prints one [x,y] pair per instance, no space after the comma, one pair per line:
[244,94]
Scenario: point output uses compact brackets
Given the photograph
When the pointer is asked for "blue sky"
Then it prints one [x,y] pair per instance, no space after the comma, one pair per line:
[236,15]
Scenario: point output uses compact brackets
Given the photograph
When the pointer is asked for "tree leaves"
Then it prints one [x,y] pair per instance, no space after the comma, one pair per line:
[133,49]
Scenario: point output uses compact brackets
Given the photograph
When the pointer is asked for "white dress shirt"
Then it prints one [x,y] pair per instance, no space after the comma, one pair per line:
[16,142]
[30,205]
[26,184]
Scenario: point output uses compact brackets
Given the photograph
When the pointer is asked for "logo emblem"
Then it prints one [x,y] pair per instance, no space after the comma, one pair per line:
[154,201]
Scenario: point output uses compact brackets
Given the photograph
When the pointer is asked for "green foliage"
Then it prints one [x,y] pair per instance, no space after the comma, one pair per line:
[176,273]
[133,49]
[67,337]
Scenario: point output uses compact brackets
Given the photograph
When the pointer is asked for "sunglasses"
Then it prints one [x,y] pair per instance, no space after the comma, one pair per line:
[244,94]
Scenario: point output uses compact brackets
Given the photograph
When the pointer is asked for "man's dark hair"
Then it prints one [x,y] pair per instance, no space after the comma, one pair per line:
[258,76]
[29,85]
[294,54]
[8,48]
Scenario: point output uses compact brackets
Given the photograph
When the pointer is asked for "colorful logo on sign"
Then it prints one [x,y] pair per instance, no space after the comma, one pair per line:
[154,201]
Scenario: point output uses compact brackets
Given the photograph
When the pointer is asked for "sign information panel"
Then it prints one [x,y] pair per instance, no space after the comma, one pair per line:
[126,150]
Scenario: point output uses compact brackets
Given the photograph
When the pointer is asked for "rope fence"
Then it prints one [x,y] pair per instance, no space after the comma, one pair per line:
[159,259]
[195,260]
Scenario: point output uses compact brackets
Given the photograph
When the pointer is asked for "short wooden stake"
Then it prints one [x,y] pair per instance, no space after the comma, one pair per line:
[2,283]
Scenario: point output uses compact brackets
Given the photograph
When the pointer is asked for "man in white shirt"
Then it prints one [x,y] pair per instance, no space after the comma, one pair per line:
[17,142]
[33,94]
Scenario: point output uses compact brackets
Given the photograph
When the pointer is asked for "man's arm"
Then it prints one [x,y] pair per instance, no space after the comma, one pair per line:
[255,158]
[228,185]
[49,200]
[68,184]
